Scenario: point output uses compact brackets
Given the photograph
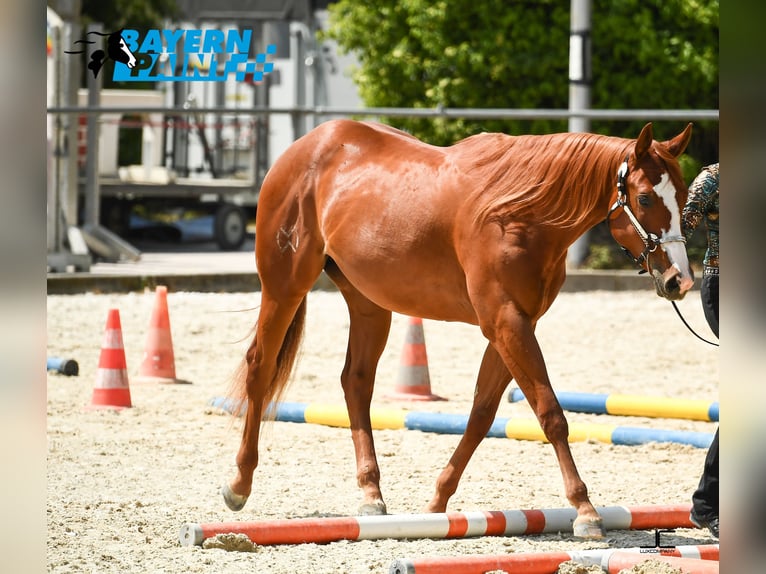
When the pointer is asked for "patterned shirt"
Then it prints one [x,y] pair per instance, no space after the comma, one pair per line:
[703,204]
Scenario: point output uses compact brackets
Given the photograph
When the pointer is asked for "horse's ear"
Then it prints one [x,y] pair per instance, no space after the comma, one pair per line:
[678,144]
[644,141]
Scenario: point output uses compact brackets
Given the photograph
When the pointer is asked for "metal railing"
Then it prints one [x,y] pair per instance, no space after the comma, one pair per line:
[438,112]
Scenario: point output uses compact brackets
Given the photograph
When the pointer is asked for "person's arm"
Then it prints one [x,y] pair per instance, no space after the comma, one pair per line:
[701,195]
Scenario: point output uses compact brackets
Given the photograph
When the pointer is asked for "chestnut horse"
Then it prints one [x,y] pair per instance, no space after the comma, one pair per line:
[476,232]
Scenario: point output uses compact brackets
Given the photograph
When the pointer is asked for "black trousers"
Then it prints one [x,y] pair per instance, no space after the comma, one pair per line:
[705,498]
[709,297]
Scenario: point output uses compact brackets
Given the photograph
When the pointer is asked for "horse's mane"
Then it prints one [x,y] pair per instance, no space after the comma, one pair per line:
[556,179]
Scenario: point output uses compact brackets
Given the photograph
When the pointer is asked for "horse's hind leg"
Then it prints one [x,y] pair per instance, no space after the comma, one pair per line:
[368,332]
[286,278]
[492,380]
[276,340]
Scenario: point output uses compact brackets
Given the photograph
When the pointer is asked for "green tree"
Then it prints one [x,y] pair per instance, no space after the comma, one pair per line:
[136,14]
[648,54]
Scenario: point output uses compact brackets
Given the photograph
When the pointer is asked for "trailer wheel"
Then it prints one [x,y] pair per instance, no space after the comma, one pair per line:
[229,228]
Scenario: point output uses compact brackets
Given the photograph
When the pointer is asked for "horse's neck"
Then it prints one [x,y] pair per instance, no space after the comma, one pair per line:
[597,179]
[603,185]
[605,197]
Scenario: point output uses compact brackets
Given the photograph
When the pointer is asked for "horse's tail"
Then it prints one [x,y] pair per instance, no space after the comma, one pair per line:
[286,358]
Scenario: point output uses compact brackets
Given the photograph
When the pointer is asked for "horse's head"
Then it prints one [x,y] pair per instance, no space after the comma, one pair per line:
[118,50]
[645,218]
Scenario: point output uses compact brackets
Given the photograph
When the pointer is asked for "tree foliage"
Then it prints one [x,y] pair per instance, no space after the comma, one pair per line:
[646,54]
[135,14]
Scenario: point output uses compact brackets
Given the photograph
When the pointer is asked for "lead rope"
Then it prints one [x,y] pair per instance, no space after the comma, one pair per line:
[689,327]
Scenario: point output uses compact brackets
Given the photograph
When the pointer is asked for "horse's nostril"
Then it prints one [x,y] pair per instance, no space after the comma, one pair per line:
[672,284]
[670,280]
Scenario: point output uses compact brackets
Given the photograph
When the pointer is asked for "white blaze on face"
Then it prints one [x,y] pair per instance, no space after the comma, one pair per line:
[676,250]
[131,58]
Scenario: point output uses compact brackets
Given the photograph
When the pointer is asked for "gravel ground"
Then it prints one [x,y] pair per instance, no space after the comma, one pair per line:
[120,484]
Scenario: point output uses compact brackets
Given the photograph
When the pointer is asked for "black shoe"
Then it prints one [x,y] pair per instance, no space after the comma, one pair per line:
[710,523]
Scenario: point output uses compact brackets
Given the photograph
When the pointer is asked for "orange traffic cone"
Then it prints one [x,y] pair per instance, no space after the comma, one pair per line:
[112,389]
[414,380]
[159,364]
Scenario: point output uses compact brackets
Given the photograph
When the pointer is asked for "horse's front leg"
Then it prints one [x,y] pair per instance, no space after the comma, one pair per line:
[492,380]
[368,333]
[512,334]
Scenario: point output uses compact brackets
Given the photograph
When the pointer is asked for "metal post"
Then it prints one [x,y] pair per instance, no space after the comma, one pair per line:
[298,53]
[54,129]
[180,131]
[262,99]
[579,64]
[53,207]
[181,124]
[579,95]
[70,84]
[261,148]
[92,190]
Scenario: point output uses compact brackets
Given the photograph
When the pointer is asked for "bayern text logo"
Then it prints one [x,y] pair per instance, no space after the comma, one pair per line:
[182,55]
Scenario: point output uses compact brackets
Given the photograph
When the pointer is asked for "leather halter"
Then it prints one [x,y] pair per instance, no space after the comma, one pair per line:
[651,240]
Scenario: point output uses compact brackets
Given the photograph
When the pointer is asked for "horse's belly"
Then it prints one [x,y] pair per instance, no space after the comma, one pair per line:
[391,234]
[429,288]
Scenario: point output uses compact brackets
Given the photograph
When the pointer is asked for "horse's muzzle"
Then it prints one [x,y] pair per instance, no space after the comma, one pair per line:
[671,284]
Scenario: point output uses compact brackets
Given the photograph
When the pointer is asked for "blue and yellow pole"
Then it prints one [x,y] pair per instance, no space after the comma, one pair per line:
[448,423]
[632,405]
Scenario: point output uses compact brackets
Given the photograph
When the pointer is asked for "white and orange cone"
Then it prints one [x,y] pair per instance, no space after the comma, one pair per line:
[414,380]
[112,390]
[159,363]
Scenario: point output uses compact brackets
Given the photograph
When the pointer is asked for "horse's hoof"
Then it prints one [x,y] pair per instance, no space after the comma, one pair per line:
[377,508]
[589,528]
[233,500]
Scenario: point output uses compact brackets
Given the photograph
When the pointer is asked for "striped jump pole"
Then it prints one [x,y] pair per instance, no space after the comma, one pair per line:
[436,525]
[622,561]
[548,562]
[632,405]
[443,423]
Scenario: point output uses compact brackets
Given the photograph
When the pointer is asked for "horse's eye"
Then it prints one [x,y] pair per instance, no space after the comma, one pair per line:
[644,200]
